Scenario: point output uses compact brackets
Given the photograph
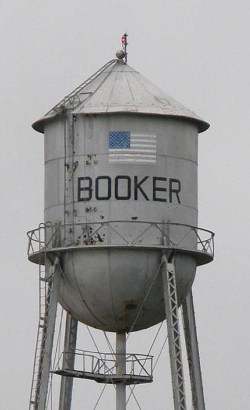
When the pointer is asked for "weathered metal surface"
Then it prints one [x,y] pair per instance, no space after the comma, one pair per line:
[176,159]
[119,88]
[107,272]
[119,154]
[111,234]
[106,283]
[99,284]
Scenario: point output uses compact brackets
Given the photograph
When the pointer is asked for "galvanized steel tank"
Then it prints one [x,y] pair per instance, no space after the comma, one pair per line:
[120,187]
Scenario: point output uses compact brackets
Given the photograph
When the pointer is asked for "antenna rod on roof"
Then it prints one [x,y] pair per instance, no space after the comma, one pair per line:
[124,45]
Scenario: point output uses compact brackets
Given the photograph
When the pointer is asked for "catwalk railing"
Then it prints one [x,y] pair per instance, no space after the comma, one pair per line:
[102,366]
[123,234]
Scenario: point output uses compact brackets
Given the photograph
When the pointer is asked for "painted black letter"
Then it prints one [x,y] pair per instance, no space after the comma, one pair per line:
[156,189]
[174,190]
[82,189]
[119,178]
[137,186]
[105,197]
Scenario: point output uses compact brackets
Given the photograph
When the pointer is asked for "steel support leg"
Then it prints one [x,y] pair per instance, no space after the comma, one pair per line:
[68,362]
[171,308]
[48,336]
[120,370]
[193,353]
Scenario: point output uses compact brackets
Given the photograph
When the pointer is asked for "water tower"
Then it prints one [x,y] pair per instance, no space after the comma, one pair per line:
[120,242]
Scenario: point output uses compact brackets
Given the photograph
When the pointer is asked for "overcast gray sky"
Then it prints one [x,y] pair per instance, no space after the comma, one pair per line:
[196,51]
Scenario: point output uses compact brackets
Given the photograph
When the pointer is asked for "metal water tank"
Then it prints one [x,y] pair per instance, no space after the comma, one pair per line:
[121,187]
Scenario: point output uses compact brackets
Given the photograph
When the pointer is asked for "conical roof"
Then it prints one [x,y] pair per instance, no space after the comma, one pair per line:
[118,88]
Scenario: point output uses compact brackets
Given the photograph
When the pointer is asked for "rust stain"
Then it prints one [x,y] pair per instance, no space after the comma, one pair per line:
[131,304]
[91,159]
[130,308]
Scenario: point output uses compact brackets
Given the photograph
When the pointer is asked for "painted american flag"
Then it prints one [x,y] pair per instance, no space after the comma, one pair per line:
[130,147]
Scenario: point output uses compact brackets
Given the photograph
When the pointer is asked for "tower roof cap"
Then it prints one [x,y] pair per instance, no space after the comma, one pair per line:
[118,88]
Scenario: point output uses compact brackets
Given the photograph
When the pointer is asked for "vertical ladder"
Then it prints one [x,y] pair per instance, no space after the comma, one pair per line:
[48,293]
[36,377]
[171,308]
[69,216]
[45,290]
[69,169]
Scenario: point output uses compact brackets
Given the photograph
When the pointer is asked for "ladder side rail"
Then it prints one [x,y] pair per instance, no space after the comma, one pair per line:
[36,367]
[80,88]
[47,344]
[69,170]
[41,330]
